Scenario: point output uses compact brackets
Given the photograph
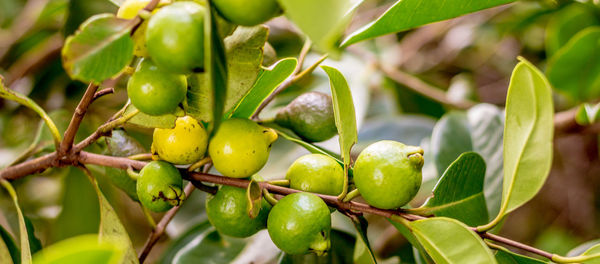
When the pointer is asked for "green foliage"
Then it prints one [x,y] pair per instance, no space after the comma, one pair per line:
[81,249]
[145,120]
[203,244]
[588,114]
[459,192]
[8,247]
[99,50]
[23,232]
[407,14]
[565,23]
[438,236]
[363,254]
[581,52]
[504,256]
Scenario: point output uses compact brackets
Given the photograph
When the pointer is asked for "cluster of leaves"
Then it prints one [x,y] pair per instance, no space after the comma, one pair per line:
[487,163]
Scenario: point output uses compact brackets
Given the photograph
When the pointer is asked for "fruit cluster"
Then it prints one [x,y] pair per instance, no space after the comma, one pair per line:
[170,43]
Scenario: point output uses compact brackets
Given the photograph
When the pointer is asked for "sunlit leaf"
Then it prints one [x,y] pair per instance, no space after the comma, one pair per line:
[407,14]
[10,246]
[99,50]
[565,24]
[508,257]
[81,249]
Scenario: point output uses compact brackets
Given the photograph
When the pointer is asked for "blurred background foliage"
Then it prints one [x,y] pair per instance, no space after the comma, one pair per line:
[470,56]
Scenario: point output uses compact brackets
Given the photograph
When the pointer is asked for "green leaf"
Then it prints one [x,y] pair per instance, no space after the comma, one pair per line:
[412,239]
[188,237]
[587,114]
[206,245]
[439,236]
[24,237]
[363,254]
[345,116]
[322,21]
[99,50]
[144,120]
[244,53]
[479,130]
[82,249]
[9,94]
[120,144]
[459,192]
[565,24]
[268,80]
[6,251]
[579,250]
[207,92]
[10,245]
[35,244]
[341,244]
[111,230]
[579,57]
[254,196]
[308,146]
[407,14]
[528,135]
[117,2]
[594,250]
[504,256]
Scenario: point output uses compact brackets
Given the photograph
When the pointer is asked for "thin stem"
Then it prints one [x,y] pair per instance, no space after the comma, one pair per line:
[302,56]
[299,76]
[269,197]
[132,174]
[516,244]
[351,195]
[149,218]
[577,259]
[199,164]
[102,130]
[284,183]
[67,142]
[142,156]
[103,92]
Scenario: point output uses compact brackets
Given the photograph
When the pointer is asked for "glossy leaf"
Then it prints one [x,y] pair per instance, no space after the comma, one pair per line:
[208,246]
[583,248]
[144,120]
[565,24]
[507,257]
[412,239]
[99,50]
[268,80]
[439,236]
[341,244]
[111,230]
[35,244]
[9,94]
[528,135]
[594,250]
[363,254]
[450,138]
[459,192]
[407,14]
[322,21]
[588,114]
[579,57]
[82,249]
[10,245]
[308,146]
[244,53]
[23,235]
[345,116]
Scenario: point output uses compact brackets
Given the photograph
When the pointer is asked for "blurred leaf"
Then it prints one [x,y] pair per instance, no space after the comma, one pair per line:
[120,144]
[594,250]
[244,54]
[205,245]
[341,244]
[23,235]
[322,21]
[459,192]
[583,248]
[528,135]
[9,94]
[117,2]
[411,102]
[111,230]
[144,120]
[206,95]
[363,254]
[99,50]
[409,129]
[508,257]
[254,196]
[184,240]
[10,245]
[579,57]
[266,83]
[564,24]
[80,212]
[5,255]
[587,114]
[82,249]
[439,237]
[35,244]
[407,14]
[450,138]
[308,146]
[412,239]
[345,116]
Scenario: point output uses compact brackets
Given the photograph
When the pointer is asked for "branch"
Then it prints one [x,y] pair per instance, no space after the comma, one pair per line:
[67,143]
[103,92]
[30,167]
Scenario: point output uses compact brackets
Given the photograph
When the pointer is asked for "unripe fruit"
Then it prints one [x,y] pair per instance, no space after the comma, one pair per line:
[310,116]
[228,212]
[300,223]
[240,147]
[154,91]
[184,144]
[175,37]
[316,173]
[388,173]
[247,12]
[159,186]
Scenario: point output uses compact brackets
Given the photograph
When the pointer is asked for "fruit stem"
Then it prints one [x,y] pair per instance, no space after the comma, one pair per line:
[351,195]
[199,164]
[308,70]
[149,218]
[132,174]
[283,183]
[269,197]
[141,156]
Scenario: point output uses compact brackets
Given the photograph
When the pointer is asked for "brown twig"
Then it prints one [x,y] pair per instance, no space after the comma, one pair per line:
[29,167]
[516,244]
[103,92]
[67,143]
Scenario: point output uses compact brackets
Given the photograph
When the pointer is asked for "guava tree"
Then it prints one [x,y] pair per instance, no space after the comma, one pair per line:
[212,103]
